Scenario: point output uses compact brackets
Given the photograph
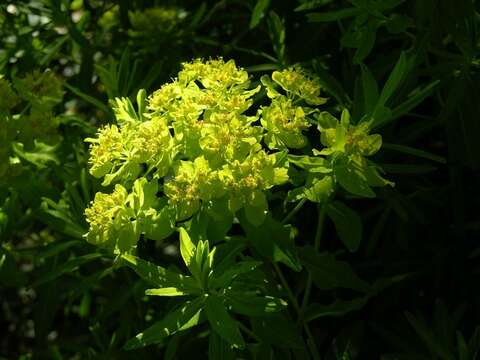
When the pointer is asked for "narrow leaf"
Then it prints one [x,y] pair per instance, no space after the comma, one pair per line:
[348,224]
[338,308]
[222,323]
[328,273]
[333,15]
[185,317]
[159,276]
[258,12]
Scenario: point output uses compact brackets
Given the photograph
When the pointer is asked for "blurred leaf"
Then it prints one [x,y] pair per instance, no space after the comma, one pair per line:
[219,349]
[276,30]
[348,224]
[222,323]
[67,267]
[89,99]
[415,152]
[338,308]
[328,273]
[258,12]
[253,305]
[272,240]
[334,15]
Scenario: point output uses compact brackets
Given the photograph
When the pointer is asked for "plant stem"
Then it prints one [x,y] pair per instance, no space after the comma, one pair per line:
[316,245]
[294,211]
[311,343]
[294,302]
[289,291]
[249,332]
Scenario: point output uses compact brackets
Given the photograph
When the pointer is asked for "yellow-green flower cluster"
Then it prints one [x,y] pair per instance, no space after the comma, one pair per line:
[120,153]
[116,220]
[344,137]
[27,117]
[154,20]
[286,118]
[297,83]
[108,215]
[42,90]
[193,136]
[346,148]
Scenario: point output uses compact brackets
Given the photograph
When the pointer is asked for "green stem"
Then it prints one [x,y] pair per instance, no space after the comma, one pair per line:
[294,211]
[311,343]
[294,302]
[316,245]
[289,291]
[249,332]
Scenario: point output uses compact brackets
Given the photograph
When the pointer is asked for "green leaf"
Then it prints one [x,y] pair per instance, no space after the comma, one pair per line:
[272,240]
[348,224]
[398,73]
[40,156]
[463,353]
[258,12]
[415,152]
[222,323]
[160,225]
[253,305]
[67,267]
[277,329]
[331,84]
[319,190]
[89,99]
[338,308]
[413,100]
[159,276]
[224,278]
[352,179]
[167,291]
[187,248]
[428,337]
[370,89]
[308,5]
[219,349]
[276,30]
[185,317]
[39,253]
[366,41]
[408,168]
[328,273]
[333,15]
[256,209]
[10,275]
[314,164]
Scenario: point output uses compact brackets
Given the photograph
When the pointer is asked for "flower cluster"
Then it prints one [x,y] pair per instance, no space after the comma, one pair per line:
[27,117]
[201,145]
[116,220]
[194,138]
[156,20]
[288,114]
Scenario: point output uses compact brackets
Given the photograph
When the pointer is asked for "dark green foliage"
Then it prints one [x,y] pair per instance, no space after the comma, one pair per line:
[357,268]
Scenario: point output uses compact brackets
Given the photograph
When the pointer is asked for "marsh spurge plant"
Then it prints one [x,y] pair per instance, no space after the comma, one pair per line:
[197,156]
